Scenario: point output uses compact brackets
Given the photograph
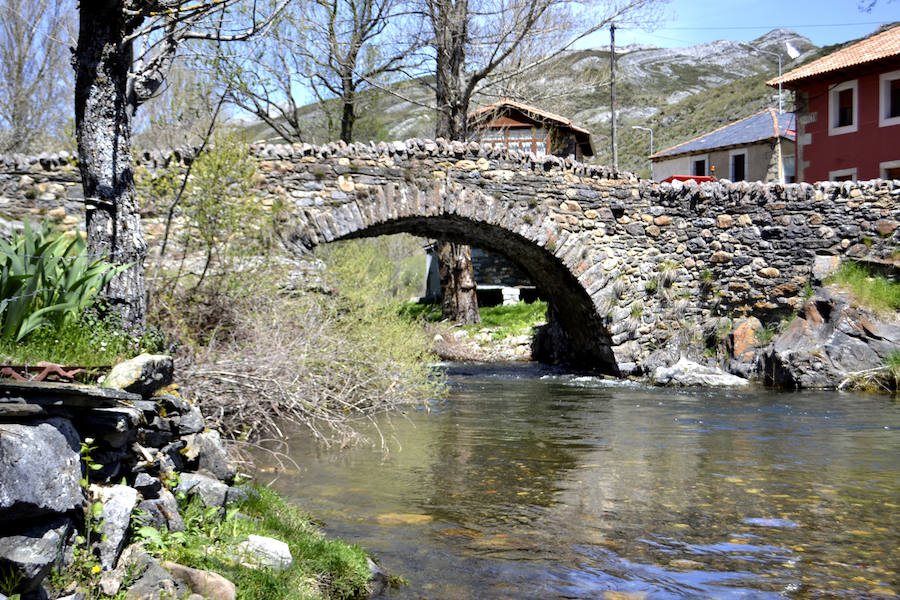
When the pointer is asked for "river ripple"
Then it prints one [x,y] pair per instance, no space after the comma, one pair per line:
[530,483]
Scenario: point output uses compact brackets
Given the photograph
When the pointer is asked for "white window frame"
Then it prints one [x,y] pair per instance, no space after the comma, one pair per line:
[884,99]
[696,157]
[731,155]
[883,167]
[833,175]
[833,106]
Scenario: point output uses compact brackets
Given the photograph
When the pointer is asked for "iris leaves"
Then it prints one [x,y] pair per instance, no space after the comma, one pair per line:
[46,278]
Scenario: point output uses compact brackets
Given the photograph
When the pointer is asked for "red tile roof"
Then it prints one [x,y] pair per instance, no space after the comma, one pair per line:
[883,45]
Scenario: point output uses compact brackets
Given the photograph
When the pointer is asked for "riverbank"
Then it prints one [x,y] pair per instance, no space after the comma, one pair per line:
[122,491]
[845,335]
[534,483]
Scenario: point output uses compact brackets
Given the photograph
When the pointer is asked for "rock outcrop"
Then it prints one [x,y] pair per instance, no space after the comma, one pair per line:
[830,338]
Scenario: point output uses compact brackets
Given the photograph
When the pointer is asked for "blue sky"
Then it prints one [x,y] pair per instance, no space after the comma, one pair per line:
[690,22]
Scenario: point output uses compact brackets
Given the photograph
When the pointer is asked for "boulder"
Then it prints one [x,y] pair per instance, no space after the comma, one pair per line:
[206,451]
[155,583]
[688,373]
[32,553]
[147,485]
[161,511]
[132,562]
[211,491]
[37,482]
[191,421]
[743,344]
[829,339]
[143,374]
[378,579]
[207,584]
[118,502]
[265,552]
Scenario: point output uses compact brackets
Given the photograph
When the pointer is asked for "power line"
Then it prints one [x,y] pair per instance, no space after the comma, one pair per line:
[724,27]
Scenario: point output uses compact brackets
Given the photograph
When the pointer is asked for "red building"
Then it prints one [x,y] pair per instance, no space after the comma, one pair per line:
[848,112]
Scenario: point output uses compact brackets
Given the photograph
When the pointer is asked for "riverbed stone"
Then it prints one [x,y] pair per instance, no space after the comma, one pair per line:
[378,579]
[38,482]
[689,373]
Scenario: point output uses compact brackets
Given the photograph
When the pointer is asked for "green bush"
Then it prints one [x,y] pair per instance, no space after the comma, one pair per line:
[46,280]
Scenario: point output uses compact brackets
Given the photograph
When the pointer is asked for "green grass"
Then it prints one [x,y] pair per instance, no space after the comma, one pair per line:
[87,342]
[322,568]
[512,319]
[506,321]
[872,291]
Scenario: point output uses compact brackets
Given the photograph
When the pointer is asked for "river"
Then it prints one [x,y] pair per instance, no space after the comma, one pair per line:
[530,483]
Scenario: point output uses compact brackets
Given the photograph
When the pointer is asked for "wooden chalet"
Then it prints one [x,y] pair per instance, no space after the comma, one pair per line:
[523,127]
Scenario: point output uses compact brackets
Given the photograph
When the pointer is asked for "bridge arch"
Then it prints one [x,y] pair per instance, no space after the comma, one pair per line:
[630,266]
[521,231]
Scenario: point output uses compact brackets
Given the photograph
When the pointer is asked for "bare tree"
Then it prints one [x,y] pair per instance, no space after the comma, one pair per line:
[332,49]
[474,40]
[112,79]
[36,82]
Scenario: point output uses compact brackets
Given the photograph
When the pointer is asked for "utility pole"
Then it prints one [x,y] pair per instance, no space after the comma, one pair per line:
[612,87]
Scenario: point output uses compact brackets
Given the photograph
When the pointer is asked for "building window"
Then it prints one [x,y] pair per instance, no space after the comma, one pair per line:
[790,169]
[842,175]
[698,166]
[738,160]
[843,108]
[889,110]
[890,169]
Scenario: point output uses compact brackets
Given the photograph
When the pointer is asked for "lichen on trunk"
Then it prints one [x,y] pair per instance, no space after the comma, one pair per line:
[103,114]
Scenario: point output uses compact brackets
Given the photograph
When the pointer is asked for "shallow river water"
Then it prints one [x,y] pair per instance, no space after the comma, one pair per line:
[528,483]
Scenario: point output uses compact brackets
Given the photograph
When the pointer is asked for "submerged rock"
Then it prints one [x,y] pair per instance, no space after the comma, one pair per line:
[688,373]
[830,338]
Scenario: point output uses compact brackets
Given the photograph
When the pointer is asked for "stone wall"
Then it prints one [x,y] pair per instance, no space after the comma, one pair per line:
[628,265]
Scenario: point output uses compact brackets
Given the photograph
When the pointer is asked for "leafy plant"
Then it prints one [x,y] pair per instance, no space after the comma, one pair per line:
[46,279]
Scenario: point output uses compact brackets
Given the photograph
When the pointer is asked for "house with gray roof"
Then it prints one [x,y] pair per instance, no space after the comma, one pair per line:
[760,147]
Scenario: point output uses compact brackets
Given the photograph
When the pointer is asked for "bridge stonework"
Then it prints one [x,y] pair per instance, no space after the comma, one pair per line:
[628,265]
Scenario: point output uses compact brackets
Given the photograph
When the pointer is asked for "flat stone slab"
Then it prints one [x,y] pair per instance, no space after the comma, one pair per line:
[75,395]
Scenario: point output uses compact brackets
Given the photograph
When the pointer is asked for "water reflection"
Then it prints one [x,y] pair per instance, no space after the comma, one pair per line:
[529,483]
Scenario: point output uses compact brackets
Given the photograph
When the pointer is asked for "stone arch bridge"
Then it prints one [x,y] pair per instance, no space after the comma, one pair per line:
[628,265]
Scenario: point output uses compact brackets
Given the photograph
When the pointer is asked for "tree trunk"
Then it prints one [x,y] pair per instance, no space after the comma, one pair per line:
[457,283]
[103,113]
[459,299]
[348,118]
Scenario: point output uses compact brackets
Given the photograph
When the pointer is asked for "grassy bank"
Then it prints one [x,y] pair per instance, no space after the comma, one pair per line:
[322,569]
[873,291]
[502,321]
